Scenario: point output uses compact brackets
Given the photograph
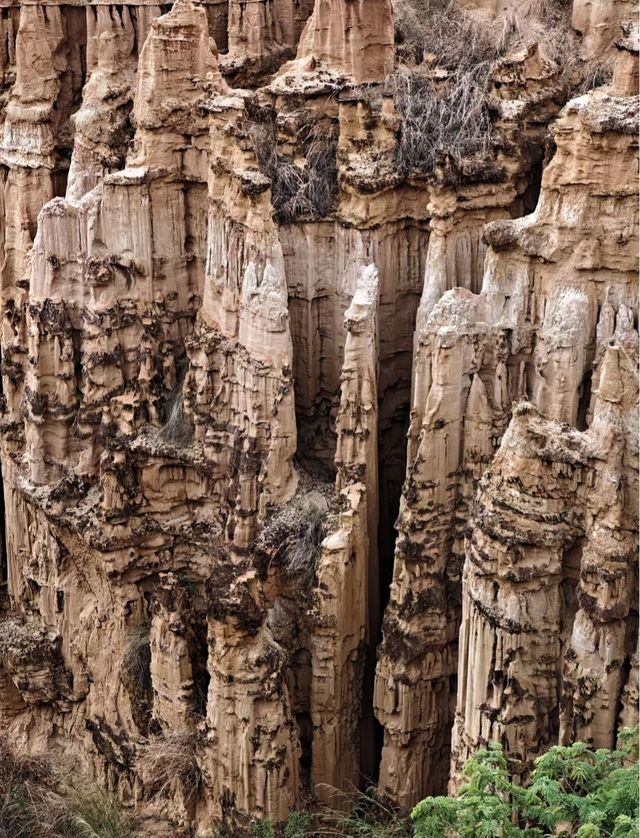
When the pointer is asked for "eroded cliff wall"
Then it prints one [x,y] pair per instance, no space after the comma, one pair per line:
[319,387]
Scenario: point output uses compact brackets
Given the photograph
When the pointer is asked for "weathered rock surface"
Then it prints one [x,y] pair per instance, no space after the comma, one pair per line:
[535,331]
[294,432]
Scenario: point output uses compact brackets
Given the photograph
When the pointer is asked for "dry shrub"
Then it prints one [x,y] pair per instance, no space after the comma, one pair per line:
[137,655]
[135,674]
[302,554]
[177,429]
[597,72]
[448,36]
[449,114]
[455,120]
[298,191]
[294,535]
[168,763]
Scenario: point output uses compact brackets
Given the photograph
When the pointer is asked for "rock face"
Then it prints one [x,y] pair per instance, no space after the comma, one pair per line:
[352,37]
[536,331]
[318,464]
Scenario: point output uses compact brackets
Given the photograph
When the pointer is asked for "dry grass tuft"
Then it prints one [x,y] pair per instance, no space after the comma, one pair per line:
[441,34]
[137,655]
[35,804]
[294,535]
[168,763]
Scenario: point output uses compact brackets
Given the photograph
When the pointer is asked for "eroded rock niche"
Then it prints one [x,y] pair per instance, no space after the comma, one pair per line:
[319,446]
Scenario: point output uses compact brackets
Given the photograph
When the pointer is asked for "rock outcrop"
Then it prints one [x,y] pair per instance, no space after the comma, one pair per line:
[535,331]
[305,420]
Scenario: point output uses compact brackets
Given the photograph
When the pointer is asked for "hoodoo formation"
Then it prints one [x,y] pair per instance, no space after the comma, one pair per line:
[319,438]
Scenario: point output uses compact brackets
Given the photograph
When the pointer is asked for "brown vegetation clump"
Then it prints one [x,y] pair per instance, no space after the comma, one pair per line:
[168,763]
[446,60]
[135,674]
[305,190]
[294,536]
[452,120]
[441,34]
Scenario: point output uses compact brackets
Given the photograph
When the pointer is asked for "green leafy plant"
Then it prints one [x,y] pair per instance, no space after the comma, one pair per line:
[298,824]
[262,829]
[574,791]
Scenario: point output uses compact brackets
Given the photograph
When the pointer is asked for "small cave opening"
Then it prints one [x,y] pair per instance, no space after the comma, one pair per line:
[527,201]
[582,421]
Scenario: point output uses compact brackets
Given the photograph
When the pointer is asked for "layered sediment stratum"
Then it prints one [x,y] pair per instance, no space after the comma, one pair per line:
[319,446]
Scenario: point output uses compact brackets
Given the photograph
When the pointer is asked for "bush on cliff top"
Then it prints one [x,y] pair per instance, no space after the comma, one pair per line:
[298,191]
[447,57]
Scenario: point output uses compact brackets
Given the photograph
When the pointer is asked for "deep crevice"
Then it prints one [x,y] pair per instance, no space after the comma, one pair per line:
[392,465]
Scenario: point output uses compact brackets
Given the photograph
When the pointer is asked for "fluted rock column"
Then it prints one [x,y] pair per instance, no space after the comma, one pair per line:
[172,676]
[112,264]
[353,37]
[345,611]
[599,23]
[513,625]
[449,444]
[596,664]
[252,752]
[239,388]
[544,646]
[102,126]
[28,152]
[260,37]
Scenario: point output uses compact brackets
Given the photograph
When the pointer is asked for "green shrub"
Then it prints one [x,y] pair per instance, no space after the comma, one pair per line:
[298,823]
[574,791]
[262,829]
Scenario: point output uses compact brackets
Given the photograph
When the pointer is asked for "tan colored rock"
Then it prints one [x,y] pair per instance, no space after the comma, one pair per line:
[102,122]
[548,560]
[172,676]
[450,442]
[352,37]
[253,753]
[260,37]
[526,335]
[222,310]
[599,23]
[344,624]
